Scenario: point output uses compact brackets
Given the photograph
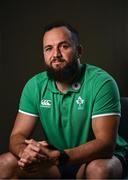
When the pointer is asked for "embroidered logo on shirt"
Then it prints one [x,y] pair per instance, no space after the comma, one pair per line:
[80,103]
[76,86]
[46,103]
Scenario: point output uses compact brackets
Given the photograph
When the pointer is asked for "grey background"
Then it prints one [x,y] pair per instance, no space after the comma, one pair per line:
[103,27]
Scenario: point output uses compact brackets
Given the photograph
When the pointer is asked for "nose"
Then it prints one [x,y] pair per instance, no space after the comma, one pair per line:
[57,52]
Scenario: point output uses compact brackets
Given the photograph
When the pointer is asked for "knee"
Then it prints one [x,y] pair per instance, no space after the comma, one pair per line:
[8,165]
[8,159]
[97,169]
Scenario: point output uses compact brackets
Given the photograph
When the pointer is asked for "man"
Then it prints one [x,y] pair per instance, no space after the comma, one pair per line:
[79,108]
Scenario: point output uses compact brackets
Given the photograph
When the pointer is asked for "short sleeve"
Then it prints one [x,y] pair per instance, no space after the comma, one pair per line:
[29,97]
[107,99]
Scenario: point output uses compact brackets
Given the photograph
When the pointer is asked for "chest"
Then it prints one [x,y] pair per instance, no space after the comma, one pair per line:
[65,109]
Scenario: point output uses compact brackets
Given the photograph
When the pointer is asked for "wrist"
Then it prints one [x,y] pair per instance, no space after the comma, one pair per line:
[20,154]
[21,150]
[63,158]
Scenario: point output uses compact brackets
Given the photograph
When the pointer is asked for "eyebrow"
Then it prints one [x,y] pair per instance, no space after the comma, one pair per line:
[60,43]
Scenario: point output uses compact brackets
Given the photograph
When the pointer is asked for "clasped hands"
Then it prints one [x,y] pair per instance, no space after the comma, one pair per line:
[38,152]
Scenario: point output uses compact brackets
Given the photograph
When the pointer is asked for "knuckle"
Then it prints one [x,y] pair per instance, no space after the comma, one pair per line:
[35,154]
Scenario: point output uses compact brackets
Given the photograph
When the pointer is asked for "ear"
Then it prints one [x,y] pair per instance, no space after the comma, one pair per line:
[80,50]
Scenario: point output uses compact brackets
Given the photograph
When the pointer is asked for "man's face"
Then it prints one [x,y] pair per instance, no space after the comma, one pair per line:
[60,54]
[58,47]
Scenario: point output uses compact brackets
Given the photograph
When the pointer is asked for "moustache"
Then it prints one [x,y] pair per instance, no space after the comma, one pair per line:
[58,60]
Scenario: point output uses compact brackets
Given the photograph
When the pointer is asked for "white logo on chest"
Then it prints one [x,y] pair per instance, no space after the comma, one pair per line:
[80,102]
[46,103]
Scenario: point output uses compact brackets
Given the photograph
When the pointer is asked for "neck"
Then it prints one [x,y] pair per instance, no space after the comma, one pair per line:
[63,86]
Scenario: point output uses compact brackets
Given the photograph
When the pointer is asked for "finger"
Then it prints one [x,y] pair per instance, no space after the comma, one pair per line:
[29,157]
[33,142]
[49,153]
[21,164]
[32,148]
[22,160]
[33,145]
[30,141]
[28,160]
[35,148]
[44,143]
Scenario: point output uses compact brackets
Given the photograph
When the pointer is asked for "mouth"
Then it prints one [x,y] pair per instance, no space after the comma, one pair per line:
[57,62]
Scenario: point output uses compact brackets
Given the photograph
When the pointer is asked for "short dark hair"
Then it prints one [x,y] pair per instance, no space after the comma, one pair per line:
[65,24]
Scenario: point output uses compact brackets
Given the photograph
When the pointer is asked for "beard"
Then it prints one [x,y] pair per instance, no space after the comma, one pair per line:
[64,74]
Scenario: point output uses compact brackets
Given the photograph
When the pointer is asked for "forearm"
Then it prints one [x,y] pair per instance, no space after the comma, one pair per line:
[17,144]
[95,149]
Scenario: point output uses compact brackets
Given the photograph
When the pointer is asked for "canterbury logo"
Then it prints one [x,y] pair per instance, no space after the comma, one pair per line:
[45,103]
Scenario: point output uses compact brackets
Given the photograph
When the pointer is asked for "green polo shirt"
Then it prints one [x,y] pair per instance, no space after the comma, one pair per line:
[66,117]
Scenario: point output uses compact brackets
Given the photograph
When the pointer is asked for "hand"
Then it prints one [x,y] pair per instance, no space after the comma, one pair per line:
[31,153]
[51,153]
[38,152]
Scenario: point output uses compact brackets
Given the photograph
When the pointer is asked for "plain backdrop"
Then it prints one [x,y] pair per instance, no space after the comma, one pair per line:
[103,28]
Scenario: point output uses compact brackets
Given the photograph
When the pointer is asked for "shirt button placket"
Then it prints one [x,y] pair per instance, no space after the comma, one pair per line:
[64,110]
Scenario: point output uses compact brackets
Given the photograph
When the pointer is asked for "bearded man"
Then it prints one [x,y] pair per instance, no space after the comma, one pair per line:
[79,109]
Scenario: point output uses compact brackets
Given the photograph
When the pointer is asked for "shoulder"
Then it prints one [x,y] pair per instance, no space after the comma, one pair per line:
[97,80]
[96,72]
[97,75]
[35,84]
[37,80]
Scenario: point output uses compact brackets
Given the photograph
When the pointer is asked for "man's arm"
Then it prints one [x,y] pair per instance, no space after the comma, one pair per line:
[105,130]
[29,151]
[23,127]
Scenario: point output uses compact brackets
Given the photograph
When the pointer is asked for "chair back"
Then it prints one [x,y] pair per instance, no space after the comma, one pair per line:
[123,127]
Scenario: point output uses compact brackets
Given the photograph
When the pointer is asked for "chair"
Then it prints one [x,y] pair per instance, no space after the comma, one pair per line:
[123,128]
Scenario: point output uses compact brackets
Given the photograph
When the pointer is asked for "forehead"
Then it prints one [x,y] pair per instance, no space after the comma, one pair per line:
[56,35]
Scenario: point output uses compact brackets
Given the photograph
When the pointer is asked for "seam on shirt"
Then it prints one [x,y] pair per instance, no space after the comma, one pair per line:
[35,115]
[107,114]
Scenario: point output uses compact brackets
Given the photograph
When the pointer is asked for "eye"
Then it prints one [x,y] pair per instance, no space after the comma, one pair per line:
[47,49]
[64,46]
